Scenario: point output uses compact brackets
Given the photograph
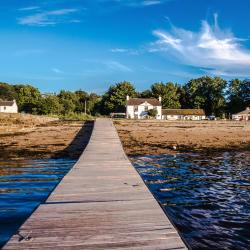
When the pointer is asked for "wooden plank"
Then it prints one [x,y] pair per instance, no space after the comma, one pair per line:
[102,203]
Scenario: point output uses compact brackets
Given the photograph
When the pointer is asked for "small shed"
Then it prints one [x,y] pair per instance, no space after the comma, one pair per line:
[242,116]
[183,114]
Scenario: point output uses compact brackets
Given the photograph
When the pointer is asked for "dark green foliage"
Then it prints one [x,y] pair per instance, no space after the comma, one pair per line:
[169,94]
[238,94]
[152,113]
[28,98]
[206,93]
[114,100]
[7,91]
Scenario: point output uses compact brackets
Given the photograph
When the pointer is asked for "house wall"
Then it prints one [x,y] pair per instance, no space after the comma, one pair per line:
[130,112]
[9,109]
[182,117]
[241,117]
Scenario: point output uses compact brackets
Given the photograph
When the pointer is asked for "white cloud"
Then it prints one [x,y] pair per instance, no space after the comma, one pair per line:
[151,2]
[127,51]
[29,8]
[47,18]
[95,66]
[118,50]
[117,66]
[136,3]
[57,71]
[212,49]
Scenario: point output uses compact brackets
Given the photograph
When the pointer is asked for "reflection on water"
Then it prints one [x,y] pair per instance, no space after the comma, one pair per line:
[206,196]
[23,186]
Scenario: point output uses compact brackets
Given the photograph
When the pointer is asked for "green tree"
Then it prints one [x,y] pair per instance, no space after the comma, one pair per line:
[114,100]
[168,92]
[146,94]
[206,93]
[7,91]
[68,100]
[50,105]
[28,98]
[238,95]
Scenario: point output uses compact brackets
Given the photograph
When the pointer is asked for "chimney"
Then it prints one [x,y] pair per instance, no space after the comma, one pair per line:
[159,98]
[127,97]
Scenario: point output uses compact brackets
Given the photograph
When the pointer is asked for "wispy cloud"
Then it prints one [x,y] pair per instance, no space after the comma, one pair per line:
[151,2]
[48,18]
[126,51]
[136,3]
[95,66]
[117,66]
[57,71]
[212,49]
[29,8]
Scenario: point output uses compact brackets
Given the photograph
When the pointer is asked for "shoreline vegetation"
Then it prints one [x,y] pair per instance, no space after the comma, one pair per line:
[24,136]
[152,137]
[63,134]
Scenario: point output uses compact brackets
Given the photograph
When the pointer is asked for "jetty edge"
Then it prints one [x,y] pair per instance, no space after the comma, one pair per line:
[102,203]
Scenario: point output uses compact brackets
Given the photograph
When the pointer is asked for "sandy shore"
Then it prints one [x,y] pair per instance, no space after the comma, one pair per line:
[25,136]
[158,137]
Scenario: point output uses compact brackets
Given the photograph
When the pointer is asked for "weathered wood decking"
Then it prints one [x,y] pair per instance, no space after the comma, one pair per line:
[102,203]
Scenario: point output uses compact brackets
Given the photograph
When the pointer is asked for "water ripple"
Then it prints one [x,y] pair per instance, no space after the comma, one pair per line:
[206,196]
[23,186]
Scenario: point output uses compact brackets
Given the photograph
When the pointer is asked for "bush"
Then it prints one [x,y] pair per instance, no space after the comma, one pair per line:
[152,113]
[76,116]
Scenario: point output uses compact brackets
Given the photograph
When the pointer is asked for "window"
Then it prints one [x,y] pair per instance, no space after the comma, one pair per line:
[4,108]
[136,108]
[146,108]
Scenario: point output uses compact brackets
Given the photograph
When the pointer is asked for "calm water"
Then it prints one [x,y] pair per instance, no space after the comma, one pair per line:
[23,186]
[206,196]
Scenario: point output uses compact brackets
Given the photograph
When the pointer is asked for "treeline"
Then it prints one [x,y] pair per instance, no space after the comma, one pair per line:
[213,94]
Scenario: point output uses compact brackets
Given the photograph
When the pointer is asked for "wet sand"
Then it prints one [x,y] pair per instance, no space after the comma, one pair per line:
[159,137]
[33,137]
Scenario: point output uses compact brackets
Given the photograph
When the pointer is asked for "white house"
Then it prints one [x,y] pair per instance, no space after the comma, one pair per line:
[242,116]
[8,106]
[183,114]
[137,108]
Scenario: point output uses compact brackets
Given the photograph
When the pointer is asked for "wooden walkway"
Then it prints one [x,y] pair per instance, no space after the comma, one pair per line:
[102,203]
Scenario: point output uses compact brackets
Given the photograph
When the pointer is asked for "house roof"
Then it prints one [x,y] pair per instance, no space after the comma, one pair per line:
[139,101]
[244,112]
[6,103]
[183,112]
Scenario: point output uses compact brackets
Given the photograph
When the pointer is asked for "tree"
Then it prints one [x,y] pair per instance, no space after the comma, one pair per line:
[114,100]
[28,98]
[50,105]
[152,113]
[7,92]
[168,92]
[238,95]
[68,100]
[206,93]
[145,94]
[82,98]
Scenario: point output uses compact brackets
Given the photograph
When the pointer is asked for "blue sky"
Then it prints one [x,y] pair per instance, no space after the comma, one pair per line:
[90,44]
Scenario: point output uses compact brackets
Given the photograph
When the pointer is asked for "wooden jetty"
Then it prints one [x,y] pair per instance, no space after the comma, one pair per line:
[102,203]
